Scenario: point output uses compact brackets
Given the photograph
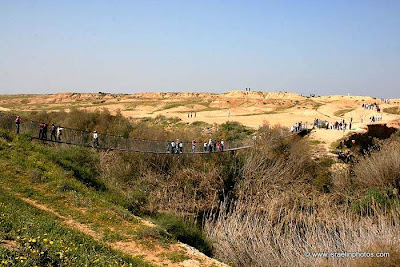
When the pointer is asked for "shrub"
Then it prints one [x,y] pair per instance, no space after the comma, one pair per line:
[233,130]
[185,231]
[81,161]
[381,169]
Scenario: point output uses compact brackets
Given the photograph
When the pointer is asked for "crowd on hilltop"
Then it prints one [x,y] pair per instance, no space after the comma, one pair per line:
[385,100]
[375,118]
[297,127]
[371,106]
[337,125]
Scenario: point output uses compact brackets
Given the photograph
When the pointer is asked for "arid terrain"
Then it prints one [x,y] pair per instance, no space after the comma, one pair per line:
[252,109]
[267,205]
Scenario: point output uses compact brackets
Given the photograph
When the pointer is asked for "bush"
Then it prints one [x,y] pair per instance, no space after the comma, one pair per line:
[6,135]
[381,169]
[233,130]
[81,161]
[185,231]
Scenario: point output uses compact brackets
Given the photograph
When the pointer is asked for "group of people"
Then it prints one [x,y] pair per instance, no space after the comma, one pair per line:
[175,147]
[385,100]
[375,118]
[337,125]
[56,132]
[192,114]
[214,146]
[297,127]
[371,106]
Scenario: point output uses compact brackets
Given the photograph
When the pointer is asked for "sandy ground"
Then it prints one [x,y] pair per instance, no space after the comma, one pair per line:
[252,109]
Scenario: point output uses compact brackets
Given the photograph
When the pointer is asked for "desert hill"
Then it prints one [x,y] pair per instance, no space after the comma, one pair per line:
[252,109]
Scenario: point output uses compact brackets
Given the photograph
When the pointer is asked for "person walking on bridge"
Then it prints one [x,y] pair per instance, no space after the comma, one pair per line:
[17,124]
[193,146]
[44,134]
[173,147]
[210,145]
[180,145]
[53,132]
[95,139]
[168,145]
[222,143]
[59,132]
[41,125]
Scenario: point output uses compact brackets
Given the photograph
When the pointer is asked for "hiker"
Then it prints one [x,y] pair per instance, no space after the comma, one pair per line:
[53,132]
[210,145]
[205,146]
[218,146]
[222,143]
[59,132]
[180,146]
[17,123]
[173,147]
[41,125]
[215,145]
[95,139]
[45,127]
[193,146]
[168,145]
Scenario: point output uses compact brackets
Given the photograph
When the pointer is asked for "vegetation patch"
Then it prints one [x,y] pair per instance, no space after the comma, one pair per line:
[42,241]
[341,112]
[185,231]
[392,110]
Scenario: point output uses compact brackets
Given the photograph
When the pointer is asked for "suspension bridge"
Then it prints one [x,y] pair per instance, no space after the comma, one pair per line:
[84,138]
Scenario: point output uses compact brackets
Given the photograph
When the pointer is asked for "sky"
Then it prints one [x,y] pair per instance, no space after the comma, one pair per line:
[320,47]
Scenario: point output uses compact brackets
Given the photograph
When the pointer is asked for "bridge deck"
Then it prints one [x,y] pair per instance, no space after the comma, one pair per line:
[141,151]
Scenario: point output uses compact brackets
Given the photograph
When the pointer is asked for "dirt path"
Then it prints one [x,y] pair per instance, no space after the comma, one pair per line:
[154,255]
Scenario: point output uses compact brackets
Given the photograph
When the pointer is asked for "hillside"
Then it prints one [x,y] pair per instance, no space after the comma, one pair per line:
[267,205]
[54,211]
[252,109]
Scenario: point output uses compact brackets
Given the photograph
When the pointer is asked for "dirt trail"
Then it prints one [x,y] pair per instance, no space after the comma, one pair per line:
[153,255]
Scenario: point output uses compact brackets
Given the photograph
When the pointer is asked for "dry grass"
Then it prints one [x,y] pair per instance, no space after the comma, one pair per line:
[277,216]
[249,238]
[381,169]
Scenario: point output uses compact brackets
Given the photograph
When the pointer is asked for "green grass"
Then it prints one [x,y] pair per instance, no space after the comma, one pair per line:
[184,231]
[187,103]
[10,97]
[176,256]
[341,112]
[316,142]
[259,113]
[66,181]
[392,110]
[39,238]
[200,110]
